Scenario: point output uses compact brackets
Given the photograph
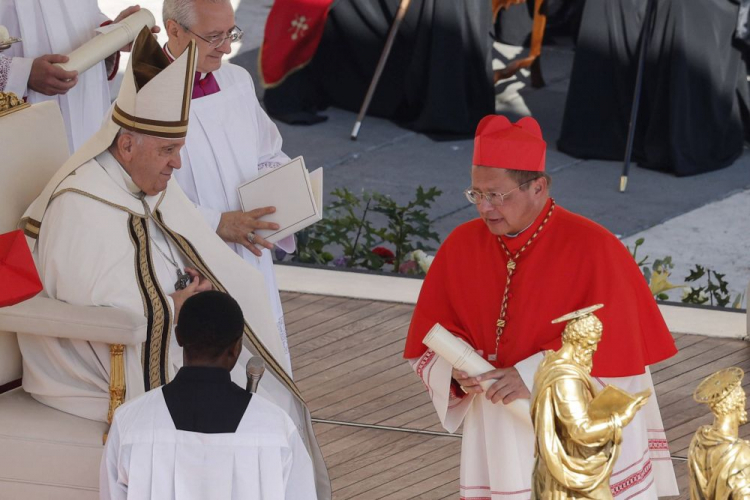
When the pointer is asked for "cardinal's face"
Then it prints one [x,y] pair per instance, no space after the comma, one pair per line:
[520,206]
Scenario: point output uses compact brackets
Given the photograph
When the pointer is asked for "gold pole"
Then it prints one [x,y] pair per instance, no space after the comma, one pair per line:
[116,382]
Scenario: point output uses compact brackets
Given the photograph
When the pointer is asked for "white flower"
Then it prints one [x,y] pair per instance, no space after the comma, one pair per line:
[702,296]
[424,260]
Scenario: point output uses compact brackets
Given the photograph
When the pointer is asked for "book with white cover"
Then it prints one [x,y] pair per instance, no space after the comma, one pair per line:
[296,193]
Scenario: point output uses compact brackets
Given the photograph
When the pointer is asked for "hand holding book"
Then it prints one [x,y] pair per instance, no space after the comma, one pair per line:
[295,194]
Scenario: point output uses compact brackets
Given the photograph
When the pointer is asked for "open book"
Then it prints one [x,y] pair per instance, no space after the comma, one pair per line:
[296,194]
[611,400]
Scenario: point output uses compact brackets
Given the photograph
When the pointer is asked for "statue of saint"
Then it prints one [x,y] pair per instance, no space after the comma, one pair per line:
[718,460]
[578,430]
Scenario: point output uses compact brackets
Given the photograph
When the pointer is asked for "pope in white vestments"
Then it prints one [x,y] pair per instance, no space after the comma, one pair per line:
[104,236]
[49,29]
[232,139]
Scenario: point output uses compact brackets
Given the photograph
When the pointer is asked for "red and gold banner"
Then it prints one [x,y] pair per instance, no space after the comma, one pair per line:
[293,31]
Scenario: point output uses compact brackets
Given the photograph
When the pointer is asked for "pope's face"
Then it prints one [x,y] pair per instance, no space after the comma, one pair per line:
[519,208]
[213,20]
[151,161]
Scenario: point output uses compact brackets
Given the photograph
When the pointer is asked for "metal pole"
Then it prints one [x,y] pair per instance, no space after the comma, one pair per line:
[645,37]
[403,6]
[383,427]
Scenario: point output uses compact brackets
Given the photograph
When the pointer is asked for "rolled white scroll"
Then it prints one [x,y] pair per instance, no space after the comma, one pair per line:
[458,353]
[113,38]
[462,356]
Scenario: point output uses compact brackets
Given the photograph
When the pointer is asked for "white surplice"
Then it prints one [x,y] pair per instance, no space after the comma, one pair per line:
[231,140]
[57,27]
[146,457]
[497,447]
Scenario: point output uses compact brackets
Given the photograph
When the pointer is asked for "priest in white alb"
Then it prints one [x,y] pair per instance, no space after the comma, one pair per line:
[112,229]
[232,139]
[49,29]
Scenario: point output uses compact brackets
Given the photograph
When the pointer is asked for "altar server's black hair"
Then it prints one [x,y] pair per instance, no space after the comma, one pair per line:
[209,323]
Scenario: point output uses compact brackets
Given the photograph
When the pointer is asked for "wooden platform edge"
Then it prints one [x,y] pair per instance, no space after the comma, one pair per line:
[337,283]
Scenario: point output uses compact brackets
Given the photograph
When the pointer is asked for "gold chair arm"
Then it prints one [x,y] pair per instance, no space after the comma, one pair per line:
[9,103]
[116,382]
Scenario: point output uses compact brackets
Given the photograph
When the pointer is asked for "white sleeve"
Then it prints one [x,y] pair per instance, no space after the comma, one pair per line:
[270,154]
[299,478]
[527,369]
[18,76]
[435,373]
[110,488]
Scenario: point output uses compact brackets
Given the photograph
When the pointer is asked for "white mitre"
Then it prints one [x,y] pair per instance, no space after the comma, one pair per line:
[154,99]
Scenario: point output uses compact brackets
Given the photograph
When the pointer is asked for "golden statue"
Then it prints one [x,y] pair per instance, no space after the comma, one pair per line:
[578,430]
[9,102]
[718,460]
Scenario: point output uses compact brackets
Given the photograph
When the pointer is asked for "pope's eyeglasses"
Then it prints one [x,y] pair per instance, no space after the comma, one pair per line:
[494,199]
[215,41]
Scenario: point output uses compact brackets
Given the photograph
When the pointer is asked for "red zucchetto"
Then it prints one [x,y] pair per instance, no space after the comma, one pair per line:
[18,275]
[516,146]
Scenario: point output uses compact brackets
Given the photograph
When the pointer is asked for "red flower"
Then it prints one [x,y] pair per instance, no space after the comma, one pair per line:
[384,254]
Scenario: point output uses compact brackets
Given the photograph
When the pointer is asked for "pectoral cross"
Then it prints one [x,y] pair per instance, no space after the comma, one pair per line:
[183,280]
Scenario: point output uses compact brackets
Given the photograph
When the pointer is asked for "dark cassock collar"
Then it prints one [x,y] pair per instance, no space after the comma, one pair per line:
[208,374]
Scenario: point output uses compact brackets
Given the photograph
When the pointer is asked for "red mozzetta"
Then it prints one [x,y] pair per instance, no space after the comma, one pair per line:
[572,263]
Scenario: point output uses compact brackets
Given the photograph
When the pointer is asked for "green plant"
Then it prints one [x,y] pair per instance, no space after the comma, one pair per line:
[408,225]
[715,291]
[634,252]
[657,277]
[348,228]
[346,225]
[310,247]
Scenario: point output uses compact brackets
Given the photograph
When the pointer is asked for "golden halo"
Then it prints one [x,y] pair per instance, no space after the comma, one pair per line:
[578,314]
[717,386]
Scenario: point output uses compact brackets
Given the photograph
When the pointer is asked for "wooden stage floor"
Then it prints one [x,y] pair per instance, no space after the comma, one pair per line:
[346,357]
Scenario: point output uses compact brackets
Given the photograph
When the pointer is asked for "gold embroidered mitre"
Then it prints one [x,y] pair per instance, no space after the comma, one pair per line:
[155,95]
[154,99]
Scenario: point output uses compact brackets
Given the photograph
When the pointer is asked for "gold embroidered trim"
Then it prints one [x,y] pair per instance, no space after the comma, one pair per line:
[186,247]
[511,268]
[30,227]
[167,129]
[187,97]
[155,351]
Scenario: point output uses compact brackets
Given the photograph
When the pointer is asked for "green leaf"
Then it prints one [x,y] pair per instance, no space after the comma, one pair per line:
[696,273]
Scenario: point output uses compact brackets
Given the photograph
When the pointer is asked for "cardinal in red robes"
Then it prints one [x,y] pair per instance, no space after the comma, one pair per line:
[497,282]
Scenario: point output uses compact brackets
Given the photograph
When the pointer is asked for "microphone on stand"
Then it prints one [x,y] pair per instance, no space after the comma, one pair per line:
[254,370]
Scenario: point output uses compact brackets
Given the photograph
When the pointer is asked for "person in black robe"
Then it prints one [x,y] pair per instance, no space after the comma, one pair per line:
[438,77]
[695,89]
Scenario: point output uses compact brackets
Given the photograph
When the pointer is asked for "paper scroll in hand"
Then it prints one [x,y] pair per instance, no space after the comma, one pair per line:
[463,357]
[112,38]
